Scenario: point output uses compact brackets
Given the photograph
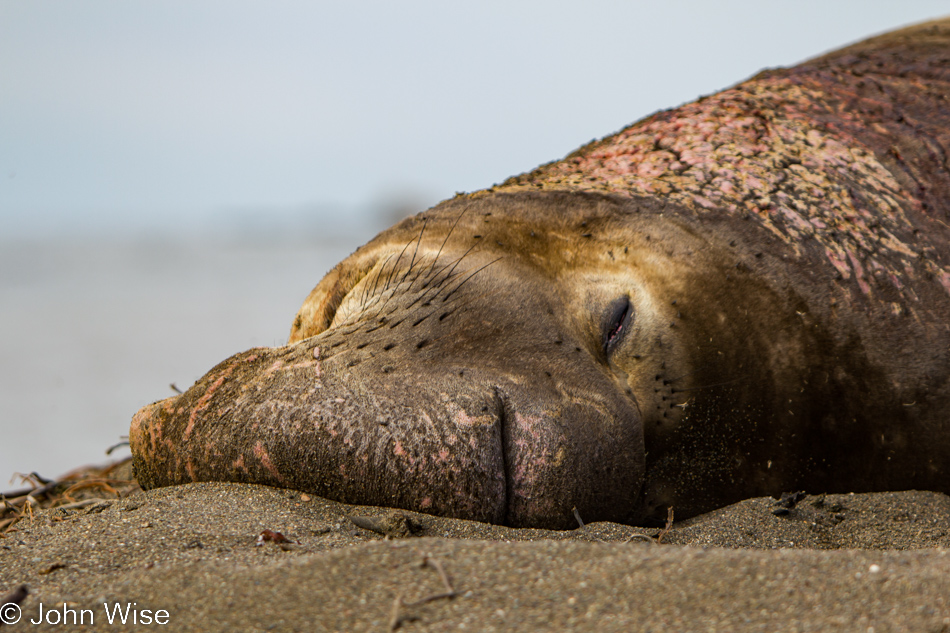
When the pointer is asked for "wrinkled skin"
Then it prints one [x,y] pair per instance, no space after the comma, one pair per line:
[574,339]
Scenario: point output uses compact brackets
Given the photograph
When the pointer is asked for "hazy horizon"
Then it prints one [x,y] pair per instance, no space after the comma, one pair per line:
[165,116]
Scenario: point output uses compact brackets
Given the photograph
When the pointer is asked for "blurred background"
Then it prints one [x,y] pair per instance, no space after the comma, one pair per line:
[175,176]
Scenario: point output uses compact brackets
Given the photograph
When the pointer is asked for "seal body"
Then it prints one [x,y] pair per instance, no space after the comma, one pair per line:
[746,295]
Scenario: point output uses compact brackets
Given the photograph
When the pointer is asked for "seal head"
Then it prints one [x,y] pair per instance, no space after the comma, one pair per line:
[436,369]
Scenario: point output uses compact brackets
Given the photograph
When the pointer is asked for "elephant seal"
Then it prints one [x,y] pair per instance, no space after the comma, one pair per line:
[745,295]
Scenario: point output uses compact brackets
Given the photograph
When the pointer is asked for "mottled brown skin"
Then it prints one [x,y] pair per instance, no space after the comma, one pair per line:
[746,295]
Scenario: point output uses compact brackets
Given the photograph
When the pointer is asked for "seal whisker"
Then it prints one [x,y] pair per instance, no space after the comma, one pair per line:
[396,263]
[441,282]
[455,263]
[462,283]
[347,316]
[420,297]
[386,299]
[412,262]
[456,308]
[418,275]
[447,236]
[379,274]
[385,302]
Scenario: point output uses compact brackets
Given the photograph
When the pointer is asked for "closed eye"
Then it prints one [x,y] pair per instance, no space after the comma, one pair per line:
[616,323]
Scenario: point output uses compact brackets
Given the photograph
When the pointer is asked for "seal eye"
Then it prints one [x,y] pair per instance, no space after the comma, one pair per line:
[616,323]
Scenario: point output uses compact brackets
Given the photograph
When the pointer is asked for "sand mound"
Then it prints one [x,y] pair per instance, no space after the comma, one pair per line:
[832,562]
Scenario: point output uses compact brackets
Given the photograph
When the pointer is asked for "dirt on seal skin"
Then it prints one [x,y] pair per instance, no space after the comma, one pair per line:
[237,557]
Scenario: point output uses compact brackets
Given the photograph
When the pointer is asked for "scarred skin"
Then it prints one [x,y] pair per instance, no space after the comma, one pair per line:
[746,295]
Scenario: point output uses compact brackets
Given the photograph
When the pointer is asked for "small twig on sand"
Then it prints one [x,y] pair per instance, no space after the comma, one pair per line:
[124,442]
[102,484]
[80,504]
[395,617]
[449,591]
[34,478]
[17,505]
[442,575]
[17,496]
[577,515]
[175,388]
[668,527]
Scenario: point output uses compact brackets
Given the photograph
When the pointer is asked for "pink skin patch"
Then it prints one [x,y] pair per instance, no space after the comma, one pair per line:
[401,452]
[261,454]
[139,421]
[531,466]
[757,150]
[859,274]
[944,278]
[463,419]
[205,400]
[279,365]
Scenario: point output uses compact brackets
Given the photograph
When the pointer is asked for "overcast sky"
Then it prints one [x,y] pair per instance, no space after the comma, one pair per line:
[159,115]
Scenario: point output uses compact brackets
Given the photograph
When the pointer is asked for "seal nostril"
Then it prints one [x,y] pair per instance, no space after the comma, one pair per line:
[504,443]
[389,346]
[422,343]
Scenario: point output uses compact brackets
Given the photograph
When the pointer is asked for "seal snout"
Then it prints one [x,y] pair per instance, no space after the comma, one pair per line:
[284,417]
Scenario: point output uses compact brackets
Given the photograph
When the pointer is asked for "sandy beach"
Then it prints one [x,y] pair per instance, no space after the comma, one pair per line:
[208,557]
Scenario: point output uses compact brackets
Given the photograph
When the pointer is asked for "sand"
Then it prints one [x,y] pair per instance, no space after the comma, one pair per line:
[193,555]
